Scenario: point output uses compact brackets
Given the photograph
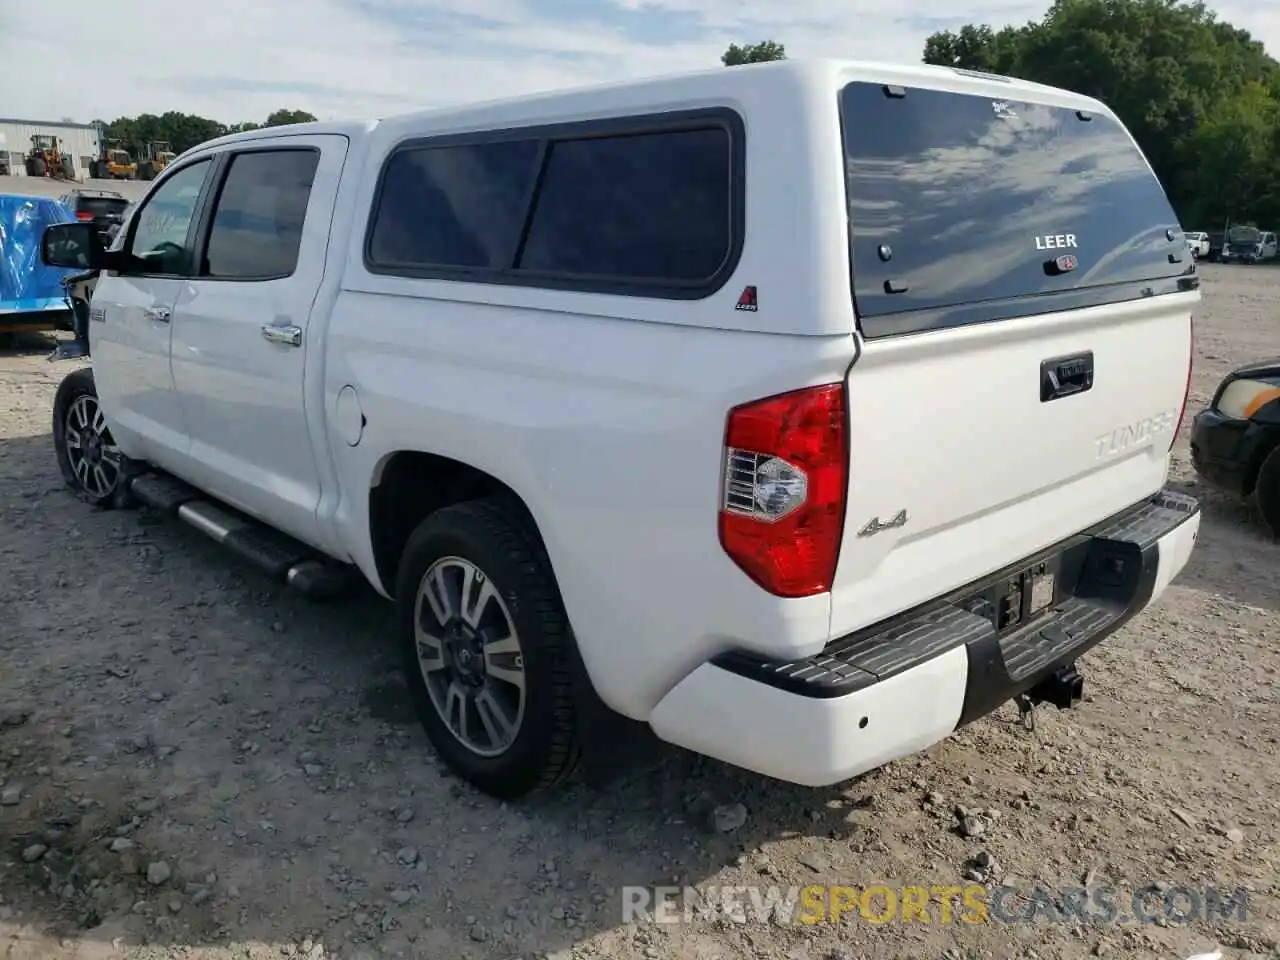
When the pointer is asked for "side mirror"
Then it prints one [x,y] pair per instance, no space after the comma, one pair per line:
[74,245]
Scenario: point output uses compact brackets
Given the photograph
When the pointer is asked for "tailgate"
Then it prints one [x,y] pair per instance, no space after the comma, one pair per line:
[1024,297]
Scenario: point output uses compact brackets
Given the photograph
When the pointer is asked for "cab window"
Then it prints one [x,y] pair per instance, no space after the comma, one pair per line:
[259,216]
[163,239]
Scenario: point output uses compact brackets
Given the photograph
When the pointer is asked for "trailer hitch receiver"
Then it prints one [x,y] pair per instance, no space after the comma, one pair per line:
[1063,688]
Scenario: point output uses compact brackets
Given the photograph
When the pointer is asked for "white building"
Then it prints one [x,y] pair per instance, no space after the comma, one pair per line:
[79,140]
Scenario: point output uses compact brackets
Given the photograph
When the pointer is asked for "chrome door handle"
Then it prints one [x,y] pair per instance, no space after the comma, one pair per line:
[158,314]
[290,336]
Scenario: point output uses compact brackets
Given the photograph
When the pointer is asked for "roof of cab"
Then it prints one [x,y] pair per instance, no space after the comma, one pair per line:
[348,128]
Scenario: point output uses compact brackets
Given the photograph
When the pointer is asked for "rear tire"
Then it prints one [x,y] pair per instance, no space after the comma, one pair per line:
[504,666]
[88,458]
[1266,492]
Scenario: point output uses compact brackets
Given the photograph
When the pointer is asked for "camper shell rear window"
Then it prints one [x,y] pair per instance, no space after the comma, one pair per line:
[967,208]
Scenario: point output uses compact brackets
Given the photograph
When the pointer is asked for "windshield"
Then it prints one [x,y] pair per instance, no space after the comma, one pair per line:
[957,199]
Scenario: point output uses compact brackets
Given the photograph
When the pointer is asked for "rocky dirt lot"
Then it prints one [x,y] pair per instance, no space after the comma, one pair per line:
[196,764]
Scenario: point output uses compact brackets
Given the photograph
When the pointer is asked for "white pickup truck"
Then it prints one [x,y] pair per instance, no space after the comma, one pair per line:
[1198,242]
[796,413]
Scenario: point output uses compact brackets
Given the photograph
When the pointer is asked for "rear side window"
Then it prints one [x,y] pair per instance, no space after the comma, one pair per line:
[961,206]
[652,206]
[459,206]
[258,220]
[604,206]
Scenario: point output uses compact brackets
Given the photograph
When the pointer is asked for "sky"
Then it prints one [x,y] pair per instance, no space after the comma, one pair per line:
[238,60]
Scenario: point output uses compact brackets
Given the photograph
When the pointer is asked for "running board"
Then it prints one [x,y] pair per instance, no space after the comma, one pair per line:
[278,555]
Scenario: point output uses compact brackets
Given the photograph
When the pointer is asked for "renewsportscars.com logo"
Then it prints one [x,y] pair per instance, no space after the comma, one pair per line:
[938,904]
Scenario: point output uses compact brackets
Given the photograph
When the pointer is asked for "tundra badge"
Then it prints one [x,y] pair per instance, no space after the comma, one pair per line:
[876,525]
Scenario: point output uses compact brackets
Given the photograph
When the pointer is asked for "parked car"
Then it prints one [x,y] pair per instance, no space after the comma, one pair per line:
[1235,441]
[1268,246]
[1198,241]
[1250,245]
[657,467]
[102,208]
[1217,239]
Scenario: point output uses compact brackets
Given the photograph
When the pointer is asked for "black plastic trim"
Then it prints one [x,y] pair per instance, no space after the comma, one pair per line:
[726,118]
[1227,452]
[1031,305]
[163,491]
[1090,602]
[1078,366]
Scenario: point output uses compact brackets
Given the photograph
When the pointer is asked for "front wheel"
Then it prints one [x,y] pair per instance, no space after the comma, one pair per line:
[88,457]
[486,648]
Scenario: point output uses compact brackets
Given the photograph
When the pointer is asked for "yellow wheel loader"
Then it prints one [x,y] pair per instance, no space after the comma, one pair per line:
[155,157]
[114,163]
[45,159]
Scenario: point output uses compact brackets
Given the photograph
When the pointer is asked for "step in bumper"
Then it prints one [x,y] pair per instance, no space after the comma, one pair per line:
[898,687]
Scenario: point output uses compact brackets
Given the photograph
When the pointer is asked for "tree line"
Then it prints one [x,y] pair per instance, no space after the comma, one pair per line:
[1201,97]
[185,130]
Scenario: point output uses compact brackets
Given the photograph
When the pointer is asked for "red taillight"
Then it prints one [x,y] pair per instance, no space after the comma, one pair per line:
[1186,393]
[84,215]
[786,465]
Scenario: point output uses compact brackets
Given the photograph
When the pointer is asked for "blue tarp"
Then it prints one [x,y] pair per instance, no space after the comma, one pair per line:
[26,284]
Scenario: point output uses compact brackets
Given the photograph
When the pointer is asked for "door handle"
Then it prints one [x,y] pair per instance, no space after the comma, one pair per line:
[290,336]
[158,314]
[1066,376]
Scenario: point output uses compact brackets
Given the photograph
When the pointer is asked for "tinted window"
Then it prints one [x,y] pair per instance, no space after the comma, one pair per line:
[646,206]
[976,199]
[257,224]
[103,206]
[456,206]
[163,224]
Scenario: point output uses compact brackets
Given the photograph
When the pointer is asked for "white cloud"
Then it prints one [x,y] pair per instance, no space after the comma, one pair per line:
[241,59]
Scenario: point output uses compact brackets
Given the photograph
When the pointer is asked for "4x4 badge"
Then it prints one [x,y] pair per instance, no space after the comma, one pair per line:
[876,525]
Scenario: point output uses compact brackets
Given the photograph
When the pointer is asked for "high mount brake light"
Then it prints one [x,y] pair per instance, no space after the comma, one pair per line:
[784,484]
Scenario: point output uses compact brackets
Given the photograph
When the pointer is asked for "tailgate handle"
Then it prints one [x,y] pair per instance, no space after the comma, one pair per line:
[1065,376]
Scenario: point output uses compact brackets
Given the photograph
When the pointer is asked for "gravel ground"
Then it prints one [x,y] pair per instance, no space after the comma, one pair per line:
[196,764]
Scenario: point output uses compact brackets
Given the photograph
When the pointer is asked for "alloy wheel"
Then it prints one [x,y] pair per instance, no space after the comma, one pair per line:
[470,656]
[93,455]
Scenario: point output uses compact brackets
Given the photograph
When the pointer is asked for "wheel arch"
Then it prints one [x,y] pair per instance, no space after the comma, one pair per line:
[406,486]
